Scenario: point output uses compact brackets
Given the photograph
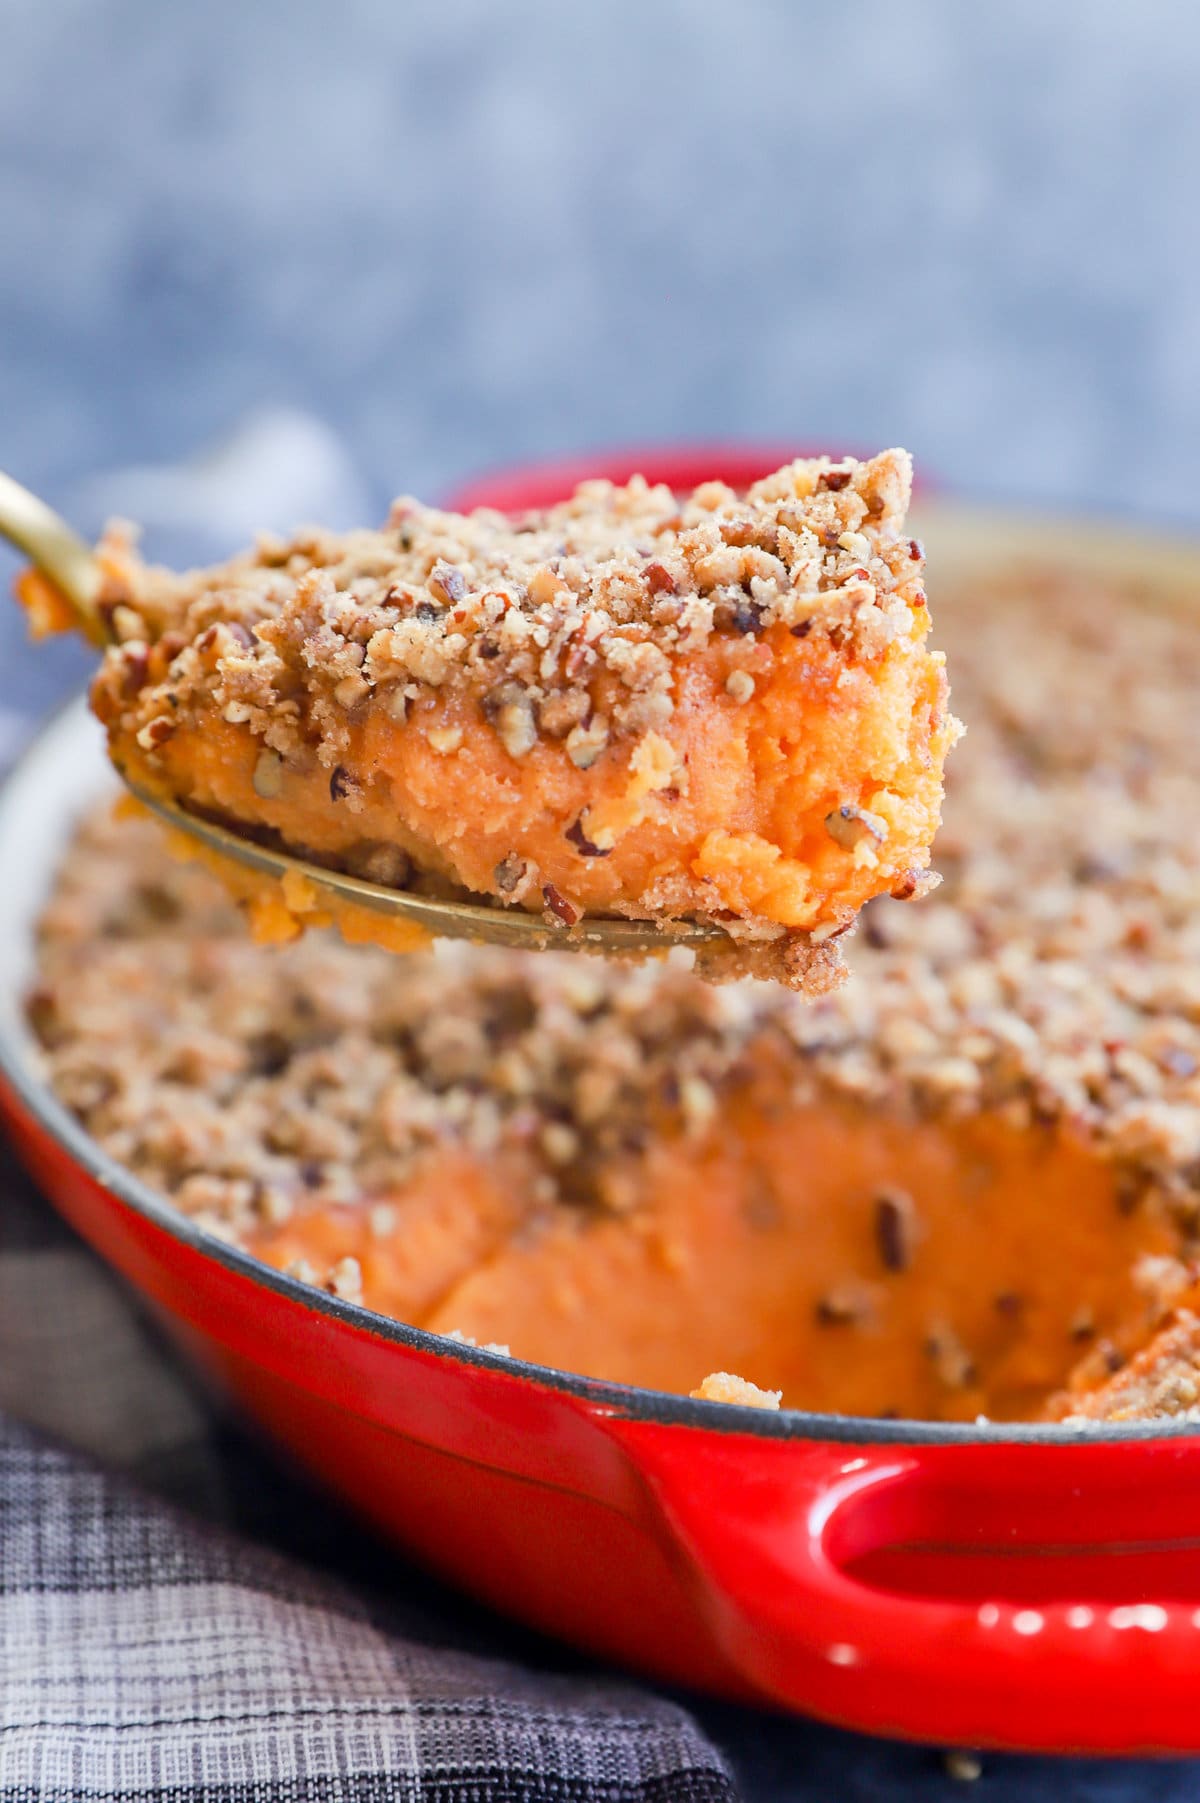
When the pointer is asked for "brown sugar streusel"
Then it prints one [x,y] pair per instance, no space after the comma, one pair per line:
[722,1386]
[1160,1383]
[619,578]
[1050,985]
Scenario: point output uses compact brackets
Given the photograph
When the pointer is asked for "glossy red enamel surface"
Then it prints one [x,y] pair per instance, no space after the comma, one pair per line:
[975,1590]
[1036,1595]
[541,484]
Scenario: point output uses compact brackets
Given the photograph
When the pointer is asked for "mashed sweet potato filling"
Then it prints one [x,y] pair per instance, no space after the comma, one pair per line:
[773,775]
[847,1260]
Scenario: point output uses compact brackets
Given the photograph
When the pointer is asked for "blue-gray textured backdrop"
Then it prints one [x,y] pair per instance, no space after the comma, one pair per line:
[464,232]
[461,233]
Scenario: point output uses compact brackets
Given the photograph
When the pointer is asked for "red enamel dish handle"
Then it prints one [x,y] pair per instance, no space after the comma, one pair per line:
[1020,1596]
[681,468]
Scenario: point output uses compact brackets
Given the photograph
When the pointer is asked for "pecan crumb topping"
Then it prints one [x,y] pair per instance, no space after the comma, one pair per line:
[525,616]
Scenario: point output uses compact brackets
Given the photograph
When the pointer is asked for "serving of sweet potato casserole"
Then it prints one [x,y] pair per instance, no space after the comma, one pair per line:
[718,708]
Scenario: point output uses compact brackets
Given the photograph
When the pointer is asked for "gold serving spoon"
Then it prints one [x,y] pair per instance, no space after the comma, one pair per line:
[67,561]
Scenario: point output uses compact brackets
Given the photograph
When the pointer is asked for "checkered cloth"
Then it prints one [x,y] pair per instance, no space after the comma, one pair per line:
[148,1652]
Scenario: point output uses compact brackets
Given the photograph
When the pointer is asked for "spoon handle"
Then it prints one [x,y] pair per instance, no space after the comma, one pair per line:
[57,551]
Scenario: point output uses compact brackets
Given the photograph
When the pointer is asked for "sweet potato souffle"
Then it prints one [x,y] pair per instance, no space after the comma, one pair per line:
[718,709]
[965,1183]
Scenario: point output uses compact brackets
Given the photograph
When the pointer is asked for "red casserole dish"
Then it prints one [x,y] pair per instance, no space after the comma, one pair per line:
[1012,1587]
